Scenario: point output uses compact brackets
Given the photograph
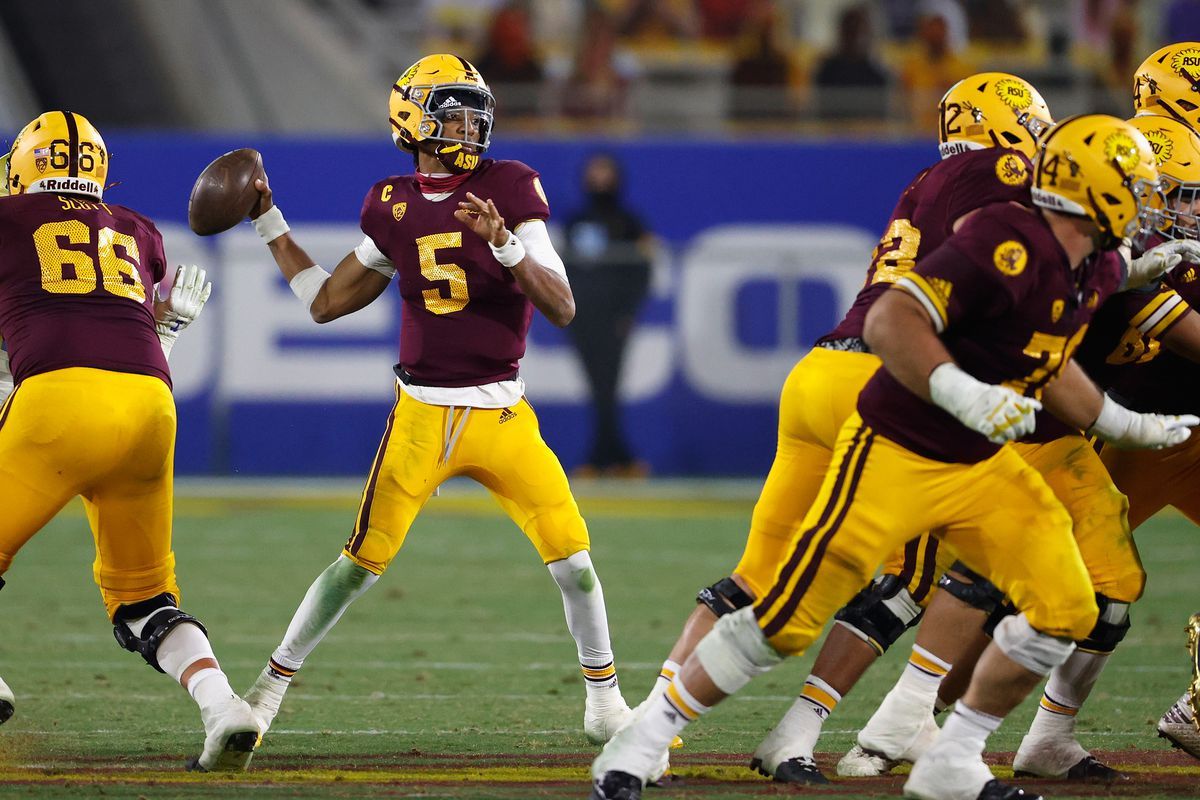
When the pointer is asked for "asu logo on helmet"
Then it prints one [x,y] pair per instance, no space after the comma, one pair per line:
[1168,82]
[439,89]
[1177,154]
[60,151]
[1102,168]
[991,109]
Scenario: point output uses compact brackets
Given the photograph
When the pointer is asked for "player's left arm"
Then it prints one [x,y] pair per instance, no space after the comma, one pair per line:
[528,253]
[1183,338]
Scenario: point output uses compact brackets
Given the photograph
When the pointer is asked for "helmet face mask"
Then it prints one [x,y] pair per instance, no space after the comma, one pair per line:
[1177,154]
[59,152]
[991,109]
[442,105]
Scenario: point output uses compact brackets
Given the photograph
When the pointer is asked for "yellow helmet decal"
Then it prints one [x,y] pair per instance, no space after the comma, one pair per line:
[1014,93]
[1121,148]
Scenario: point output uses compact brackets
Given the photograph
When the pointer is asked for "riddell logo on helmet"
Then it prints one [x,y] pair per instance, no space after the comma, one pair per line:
[68,185]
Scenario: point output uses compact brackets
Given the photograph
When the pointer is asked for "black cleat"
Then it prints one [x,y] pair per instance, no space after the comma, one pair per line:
[794,770]
[995,790]
[1092,770]
[6,711]
[616,786]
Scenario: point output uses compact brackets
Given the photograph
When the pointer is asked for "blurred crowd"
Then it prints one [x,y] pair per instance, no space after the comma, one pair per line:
[705,64]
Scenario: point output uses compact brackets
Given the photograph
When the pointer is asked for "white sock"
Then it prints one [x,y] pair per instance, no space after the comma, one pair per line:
[583,605]
[923,674]
[969,727]
[1068,688]
[327,599]
[209,686]
[801,725]
[178,651]
[665,675]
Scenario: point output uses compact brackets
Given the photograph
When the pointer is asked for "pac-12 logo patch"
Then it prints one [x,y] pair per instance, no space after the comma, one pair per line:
[1010,257]
[1011,171]
[398,210]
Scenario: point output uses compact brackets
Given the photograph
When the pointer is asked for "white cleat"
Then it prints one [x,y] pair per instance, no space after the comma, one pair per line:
[265,697]
[7,702]
[231,734]
[899,731]
[1178,727]
[950,771]
[602,721]
[1045,757]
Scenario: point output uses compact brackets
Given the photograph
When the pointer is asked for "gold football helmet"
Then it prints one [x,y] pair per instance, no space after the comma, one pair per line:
[432,91]
[1102,168]
[1168,82]
[992,109]
[60,152]
[1177,155]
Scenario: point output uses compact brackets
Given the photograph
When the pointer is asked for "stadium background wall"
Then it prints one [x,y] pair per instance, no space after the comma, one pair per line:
[765,246]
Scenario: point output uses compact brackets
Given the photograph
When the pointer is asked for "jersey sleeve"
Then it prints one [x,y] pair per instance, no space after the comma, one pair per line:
[155,258]
[374,217]
[978,272]
[1153,313]
[990,176]
[520,190]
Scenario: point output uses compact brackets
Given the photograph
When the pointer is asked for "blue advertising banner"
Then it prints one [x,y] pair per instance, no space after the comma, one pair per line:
[764,246]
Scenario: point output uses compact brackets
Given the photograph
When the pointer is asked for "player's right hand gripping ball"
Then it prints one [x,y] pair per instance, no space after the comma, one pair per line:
[224,193]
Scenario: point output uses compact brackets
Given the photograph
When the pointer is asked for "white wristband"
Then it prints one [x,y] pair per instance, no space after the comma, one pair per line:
[511,252]
[1113,422]
[308,283]
[270,224]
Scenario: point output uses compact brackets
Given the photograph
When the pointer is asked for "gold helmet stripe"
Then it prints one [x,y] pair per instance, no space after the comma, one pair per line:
[72,144]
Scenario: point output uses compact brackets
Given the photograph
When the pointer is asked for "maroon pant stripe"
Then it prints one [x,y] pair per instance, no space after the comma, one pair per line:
[927,570]
[364,513]
[789,569]
[806,578]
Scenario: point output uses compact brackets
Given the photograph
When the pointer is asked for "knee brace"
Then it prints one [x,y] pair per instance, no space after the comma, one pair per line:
[164,617]
[724,596]
[735,651]
[971,588]
[880,613]
[1111,626]
[1032,649]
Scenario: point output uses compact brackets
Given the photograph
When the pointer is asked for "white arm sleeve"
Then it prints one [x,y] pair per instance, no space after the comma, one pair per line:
[372,257]
[536,238]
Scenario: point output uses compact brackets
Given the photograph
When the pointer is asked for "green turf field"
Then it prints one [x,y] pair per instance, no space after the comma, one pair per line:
[455,676]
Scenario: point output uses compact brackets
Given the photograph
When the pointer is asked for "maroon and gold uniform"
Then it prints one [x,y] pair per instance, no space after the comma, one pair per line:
[92,413]
[822,389]
[1010,309]
[1145,376]
[464,322]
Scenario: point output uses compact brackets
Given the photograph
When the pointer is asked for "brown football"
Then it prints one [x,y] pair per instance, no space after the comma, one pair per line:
[224,193]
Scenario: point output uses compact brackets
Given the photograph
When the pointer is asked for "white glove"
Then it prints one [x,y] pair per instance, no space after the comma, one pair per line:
[997,412]
[1157,261]
[1121,427]
[183,305]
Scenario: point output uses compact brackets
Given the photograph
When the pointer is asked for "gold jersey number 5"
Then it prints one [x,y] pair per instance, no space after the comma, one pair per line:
[452,275]
[120,273]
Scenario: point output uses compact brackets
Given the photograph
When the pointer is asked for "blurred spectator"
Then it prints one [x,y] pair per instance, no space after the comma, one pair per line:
[722,20]
[599,78]
[850,84]
[763,72]
[934,65]
[1093,22]
[1112,69]
[1182,21]
[607,258]
[510,61]
[658,23]
[998,21]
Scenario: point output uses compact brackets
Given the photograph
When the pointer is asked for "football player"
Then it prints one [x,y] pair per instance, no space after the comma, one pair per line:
[1007,297]
[1166,83]
[466,238]
[902,725]
[92,413]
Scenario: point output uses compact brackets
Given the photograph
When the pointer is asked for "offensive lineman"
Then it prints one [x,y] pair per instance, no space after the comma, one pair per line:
[927,441]
[469,284]
[92,412]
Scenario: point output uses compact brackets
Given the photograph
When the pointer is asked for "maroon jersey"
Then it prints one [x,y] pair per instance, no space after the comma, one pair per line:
[463,316]
[1009,309]
[1130,361]
[925,217]
[77,284]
